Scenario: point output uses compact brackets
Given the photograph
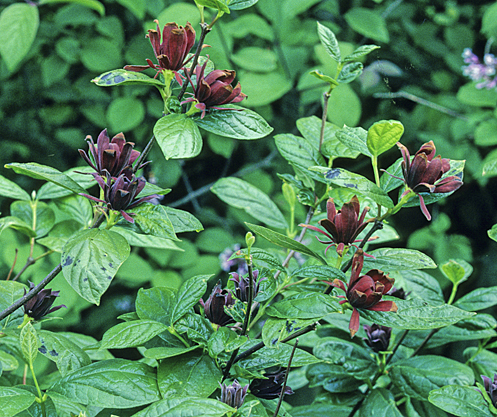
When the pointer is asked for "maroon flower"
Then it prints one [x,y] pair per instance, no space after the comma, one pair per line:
[233,394]
[365,291]
[214,306]
[114,156]
[214,89]
[270,388]
[342,226]
[424,173]
[171,50]
[39,306]
[121,193]
[242,285]
[491,388]
[378,337]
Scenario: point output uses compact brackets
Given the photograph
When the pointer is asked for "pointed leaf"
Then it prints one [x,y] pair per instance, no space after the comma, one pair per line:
[183,221]
[384,135]
[156,304]
[324,272]
[478,299]
[131,334]
[329,41]
[360,52]
[29,343]
[350,72]
[121,76]
[391,259]
[153,220]
[241,194]
[460,401]
[14,401]
[90,260]
[92,4]
[12,190]
[189,294]
[456,270]
[381,403]
[178,136]
[304,305]
[355,138]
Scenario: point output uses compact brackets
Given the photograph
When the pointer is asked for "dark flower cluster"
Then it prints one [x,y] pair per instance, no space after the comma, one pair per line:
[214,306]
[112,160]
[270,387]
[378,337]
[41,304]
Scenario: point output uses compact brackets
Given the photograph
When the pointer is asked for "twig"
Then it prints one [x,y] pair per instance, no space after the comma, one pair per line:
[283,388]
[144,154]
[425,341]
[13,265]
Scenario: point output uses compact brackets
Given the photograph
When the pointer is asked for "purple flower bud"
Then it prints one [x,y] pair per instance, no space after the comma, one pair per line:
[270,388]
[214,306]
[242,285]
[233,394]
[378,337]
[490,388]
[39,306]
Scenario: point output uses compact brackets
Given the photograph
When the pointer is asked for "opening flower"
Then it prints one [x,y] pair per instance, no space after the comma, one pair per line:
[114,156]
[424,173]
[378,337]
[41,304]
[342,226]
[121,193]
[365,292]
[234,394]
[171,50]
[214,89]
[491,388]
[242,285]
[214,306]
[270,388]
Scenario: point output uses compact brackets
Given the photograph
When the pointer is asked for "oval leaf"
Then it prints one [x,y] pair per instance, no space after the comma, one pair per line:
[14,400]
[131,334]
[460,401]
[183,406]
[384,135]
[178,136]
[121,76]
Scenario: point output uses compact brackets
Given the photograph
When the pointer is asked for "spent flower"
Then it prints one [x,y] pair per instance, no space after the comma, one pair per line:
[342,226]
[214,306]
[171,49]
[378,337]
[270,388]
[365,291]
[234,394]
[214,89]
[41,304]
[424,173]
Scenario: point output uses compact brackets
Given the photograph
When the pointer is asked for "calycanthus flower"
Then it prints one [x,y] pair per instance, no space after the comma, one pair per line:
[424,173]
[214,306]
[378,337]
[365,292]
[214,89]
[270,388]
[234,394]
[114,156]
[242,285]
[171,50]
[41,304]
[342,226]
[490,388]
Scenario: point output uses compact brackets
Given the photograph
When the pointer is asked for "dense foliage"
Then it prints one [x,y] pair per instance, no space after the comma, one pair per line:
[277,208]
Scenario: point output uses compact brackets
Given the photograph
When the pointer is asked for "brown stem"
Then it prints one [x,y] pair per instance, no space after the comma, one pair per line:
[24,299]
[282,394]
[205,31]
[13,265]
[326,97]
[425,341]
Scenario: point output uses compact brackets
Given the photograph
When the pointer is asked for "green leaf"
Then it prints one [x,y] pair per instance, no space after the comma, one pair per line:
[354,359]
[29,343]
[43,172]
[125,113]
[92,4]
[191,374]
[145,241]
[255,85]
[18,26]
[158,353]
[66,406]
[41,215]
[14,400]
[12,190]
[357,183]
[380,403]
[479,97]
[190,292]
[121,76]
[90,260]
[389,182]
[16,224]
[350,72]
[478,299]
[355,138]
[183,221]
[131,334]
[224,339]
[66,354]
[258,255]
[329,42]
[153,220]
[275,330]
[422,285]
[113,383]
[304,305]
[8,362]
[156,304]
[456,270]
[298,151]
[284,241]
[492,233]
[360,52]
[241,194]
[241,4]
[49,190]
[237,123]
[324,78]
[460,401]
[415,314]
[178,136]
[253,58]
[488,25]
[324,272]
[368,23]
[137,7]
[417,376]
[384,135]
[333,379]
[391,259]
[214,4]
[483,362]
[11,291]
[183,406]
[77,207]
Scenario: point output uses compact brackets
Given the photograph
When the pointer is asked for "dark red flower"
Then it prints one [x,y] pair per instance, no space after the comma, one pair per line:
[114,156]
[121,193]
[270,388]
[342,226]
[365,292]
[424,173]
[171,50]
[242,285]
[378,337]
[214,89]
[214,306]
[39,306]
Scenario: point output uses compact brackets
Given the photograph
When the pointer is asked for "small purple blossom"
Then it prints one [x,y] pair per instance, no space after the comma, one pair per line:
[214,306]
[378,337]
[233,394]
[490,388]
[484,73]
